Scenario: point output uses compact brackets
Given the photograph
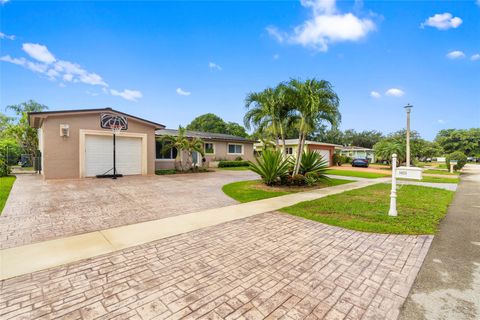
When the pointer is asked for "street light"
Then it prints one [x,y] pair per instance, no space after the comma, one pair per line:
[408,108]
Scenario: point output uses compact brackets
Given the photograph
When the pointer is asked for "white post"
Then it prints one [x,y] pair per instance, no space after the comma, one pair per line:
[408,137]
[393,194]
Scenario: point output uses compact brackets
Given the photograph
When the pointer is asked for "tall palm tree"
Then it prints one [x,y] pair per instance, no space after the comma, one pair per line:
[315,102]
[269,113]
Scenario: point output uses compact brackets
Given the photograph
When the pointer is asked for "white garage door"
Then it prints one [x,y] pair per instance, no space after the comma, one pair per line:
[99,155]
[325,155]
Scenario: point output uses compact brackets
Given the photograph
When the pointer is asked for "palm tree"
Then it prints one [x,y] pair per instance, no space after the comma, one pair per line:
[385,148]
[269,113]
[182,143]
[315,102]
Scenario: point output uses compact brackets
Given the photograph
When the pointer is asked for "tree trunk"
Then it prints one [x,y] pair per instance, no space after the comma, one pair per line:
[284,148]
[299,150]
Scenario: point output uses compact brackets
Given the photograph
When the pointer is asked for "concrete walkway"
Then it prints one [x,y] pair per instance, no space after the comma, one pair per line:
[448,285]
[57,252]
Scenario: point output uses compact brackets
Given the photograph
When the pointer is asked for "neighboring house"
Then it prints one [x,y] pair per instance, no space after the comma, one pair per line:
[359,152]
[217,146]
[327,150]
[74,145]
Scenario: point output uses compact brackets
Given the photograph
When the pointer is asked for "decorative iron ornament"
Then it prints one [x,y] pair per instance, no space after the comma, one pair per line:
[112,121]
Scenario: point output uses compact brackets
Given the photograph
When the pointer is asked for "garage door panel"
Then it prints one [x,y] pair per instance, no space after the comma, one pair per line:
[325,155]
[99,155]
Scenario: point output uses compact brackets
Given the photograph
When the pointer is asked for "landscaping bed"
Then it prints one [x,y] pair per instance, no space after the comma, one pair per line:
[420,209]
[163,172]
[246,191]
[6,184]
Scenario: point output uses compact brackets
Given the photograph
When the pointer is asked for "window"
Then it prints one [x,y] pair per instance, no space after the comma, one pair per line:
[289,150]
[209,148]
[235,149]
[162,152]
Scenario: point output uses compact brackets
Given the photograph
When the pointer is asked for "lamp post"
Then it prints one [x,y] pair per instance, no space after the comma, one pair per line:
[408,108]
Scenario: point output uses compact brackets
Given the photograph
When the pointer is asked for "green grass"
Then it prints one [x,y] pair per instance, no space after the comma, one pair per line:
[246,191]
[235,168]
[359,174]
[435,180]
[433,171]
[6,184]
[420,209]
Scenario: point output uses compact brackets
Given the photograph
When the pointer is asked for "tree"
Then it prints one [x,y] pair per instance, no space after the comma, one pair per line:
[315,103]
[384,150]
[269,113]
[22,132]
[182,143]
[466,141]
[235,129]
[210,122]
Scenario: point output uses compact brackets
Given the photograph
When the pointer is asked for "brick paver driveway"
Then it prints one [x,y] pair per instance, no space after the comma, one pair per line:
[268,266]
[37,210]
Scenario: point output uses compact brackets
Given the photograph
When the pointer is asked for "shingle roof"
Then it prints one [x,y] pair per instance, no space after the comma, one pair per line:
[204,135]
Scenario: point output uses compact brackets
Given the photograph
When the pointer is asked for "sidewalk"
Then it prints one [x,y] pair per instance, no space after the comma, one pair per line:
[448,284]
[48,254]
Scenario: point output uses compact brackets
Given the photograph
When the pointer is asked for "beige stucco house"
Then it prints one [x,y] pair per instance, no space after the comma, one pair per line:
[73,144]
[217,146]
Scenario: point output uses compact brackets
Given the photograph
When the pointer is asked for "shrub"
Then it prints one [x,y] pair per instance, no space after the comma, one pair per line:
[238,159]
[271,166]
[4,168]
[346,159]
[297,180]
[311,179]
[165,171]
[227,164]
[338,159]
[313,163]
[460,157]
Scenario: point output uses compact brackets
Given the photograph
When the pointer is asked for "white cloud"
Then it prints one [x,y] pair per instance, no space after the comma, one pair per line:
[6,36]
[214,66]
[394,92]
[476,56]
[375,94]
[131,95]
[62,70]
[38,52]
[441,121]
[456,54]
[182,92]
[326,26]
[4,1]
[442,21]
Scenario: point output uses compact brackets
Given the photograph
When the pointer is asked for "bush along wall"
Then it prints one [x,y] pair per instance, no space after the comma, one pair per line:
[226,164]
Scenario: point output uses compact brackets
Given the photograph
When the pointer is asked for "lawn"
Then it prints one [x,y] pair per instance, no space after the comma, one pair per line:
[246,191]
[359,174]
[433,171]
[435,179]
[420,209]
[235,168]
[6,184]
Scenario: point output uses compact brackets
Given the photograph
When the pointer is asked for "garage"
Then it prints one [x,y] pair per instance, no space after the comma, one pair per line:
[79,143]
[99,155]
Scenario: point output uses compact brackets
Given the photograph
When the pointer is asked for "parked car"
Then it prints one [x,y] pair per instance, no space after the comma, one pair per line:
[360,163]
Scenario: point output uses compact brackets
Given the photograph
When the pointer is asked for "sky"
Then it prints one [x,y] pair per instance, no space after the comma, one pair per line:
[171,61]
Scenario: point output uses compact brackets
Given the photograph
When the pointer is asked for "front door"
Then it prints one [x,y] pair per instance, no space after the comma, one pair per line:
[195,159]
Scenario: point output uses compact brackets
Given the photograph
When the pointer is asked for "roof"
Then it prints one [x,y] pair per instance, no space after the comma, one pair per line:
[204,135]
[354,148]
[295,142]
[38,117]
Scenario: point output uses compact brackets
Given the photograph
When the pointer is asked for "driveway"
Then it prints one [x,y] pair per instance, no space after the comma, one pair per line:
[40,210]
[268,266]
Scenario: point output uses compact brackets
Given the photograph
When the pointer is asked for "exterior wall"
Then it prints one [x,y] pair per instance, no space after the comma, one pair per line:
[331,149]
[220,147]
[61,155]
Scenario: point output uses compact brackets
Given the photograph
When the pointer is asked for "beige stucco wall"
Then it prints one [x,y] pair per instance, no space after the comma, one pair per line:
[220,154]
[61,156]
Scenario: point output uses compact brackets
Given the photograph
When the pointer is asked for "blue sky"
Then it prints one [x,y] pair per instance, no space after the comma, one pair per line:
[172,61]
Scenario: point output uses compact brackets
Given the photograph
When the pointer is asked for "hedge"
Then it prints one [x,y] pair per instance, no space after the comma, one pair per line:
[226,164]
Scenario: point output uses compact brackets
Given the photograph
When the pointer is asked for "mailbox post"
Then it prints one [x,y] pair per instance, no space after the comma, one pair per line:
[393,194]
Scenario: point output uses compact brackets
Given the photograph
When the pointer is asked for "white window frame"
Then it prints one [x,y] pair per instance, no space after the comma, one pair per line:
[235,144]
[205,149]
[164,159]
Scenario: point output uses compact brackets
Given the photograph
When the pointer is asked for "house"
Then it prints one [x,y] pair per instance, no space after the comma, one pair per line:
[358,152]
[217,146]
[327,150]
[78,144]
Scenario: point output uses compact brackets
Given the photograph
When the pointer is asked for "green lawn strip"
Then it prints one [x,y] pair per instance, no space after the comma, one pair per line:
[359,174]
[420,209]
[6,184]
[235,168]
[246,191]
[434,180]
[433,171]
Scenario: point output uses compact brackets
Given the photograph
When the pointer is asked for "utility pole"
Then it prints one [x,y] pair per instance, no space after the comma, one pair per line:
[408,108]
